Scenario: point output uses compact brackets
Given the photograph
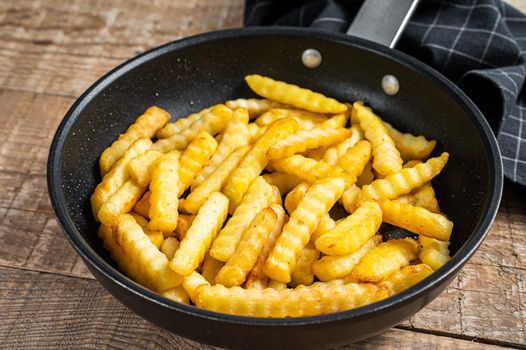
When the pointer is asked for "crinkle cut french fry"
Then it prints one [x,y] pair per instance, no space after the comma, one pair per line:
[356,158]
[215,181]
[255,131]
[259,195]
[236,135]
[319,298]
[255,160]
[212,122]
[142,206]
[306,120]
[326,224]
[406,277]
[339,266]
[320,197]
[310,169]
[410,146]
[425,197]
[411,163]
[284,182]
[120,202]
[416,219]
[200,235]
[145,126]
[433,252]
[276,285]
[366,177]
[164,200]
[386,158]
[317,153]
[181,124]
[302,274]
[140,167]
[149,261]
[256,275]
[169,247]
[293,95]
[156,237]
[183,224]
[336,122]
[352,232]
[195,158]
[177,294]
[210,268]
[254,106]
[384,259]
[117,176]
[334,152]
[192,282]
[252,241]
[351,199]
[405,180]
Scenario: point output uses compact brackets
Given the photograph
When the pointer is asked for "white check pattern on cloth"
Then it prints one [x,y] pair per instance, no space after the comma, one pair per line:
[478,44]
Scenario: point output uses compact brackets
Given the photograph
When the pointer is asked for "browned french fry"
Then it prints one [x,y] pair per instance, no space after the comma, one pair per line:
[181,124]
[254,106]
[302,274]
[410,146]
[120,202]
[406,277]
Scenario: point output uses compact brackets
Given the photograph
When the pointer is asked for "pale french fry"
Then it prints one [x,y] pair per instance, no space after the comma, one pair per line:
[366,177]
[148,260]
[200,235]
[183,224]
[142,206]
[416,219]
[339,266]
[169,247]
[384,259]
[164,187]
[254,106]
[236,269]
[320,197]
[117,176]
[177,294]
[195,158]
[145,126]
[406,277]
[310,169]
[406,180]
[386,158]
[302,274]
[212,122]
[255,160]
[156,237]
[319,298]
[410,146]
[351,199]
[215,181]
[356,158]
[306,120]
[180,124]
[259,195]
[433,252]
[120,202]
[210,268]
[236,135]
[334,152]
[352,232]
[192,283]
[293,95]
[140,167]
[284,182]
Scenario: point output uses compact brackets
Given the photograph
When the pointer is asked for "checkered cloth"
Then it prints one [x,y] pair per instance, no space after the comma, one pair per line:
[478,44]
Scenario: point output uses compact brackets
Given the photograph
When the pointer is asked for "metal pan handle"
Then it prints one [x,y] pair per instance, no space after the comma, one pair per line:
[382,21]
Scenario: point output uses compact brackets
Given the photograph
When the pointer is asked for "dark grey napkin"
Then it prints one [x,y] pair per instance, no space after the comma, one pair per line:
[478,44]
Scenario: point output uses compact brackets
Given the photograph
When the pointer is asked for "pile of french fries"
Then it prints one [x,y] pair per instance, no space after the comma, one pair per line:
[229,208]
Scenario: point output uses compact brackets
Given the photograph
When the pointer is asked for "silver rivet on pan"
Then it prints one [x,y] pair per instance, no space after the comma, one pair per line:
[390,85]
[311,58]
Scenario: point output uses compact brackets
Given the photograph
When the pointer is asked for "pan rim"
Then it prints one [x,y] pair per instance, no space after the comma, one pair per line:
[448,271]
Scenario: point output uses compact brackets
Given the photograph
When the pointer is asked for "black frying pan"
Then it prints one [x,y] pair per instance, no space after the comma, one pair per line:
[190,74]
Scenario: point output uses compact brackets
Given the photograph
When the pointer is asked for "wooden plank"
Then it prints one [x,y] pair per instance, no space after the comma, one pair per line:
[83,315]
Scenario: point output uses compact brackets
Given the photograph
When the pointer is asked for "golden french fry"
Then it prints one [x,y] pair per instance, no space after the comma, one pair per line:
[236,135]
[306,120]
[386,158]
[210,268]
[384,259]
[142,206]
[177,294]
[352,232]
[254,106]
[276,285]
[284,182]
[320,197]
[326,224]
[366,177]
[169,247]
[356,158]
[247,251]
[316,154]
[183,224]
[180,124]
[192,283]
[156,237]
[334,152]
[259,195]
[336,122]
[120,202]
[416,219]
[411,163]
[200,235]
[351,199]
[117,176]
[425,197]
[212,122]
[433,252]
[406,277]
[310,169]
[215,181]
[406,180]
[145,126]
[410,146]
[148,260]
[164,187]
[255,131]
[302,274]
[319,298]
[195,158]
[339,266]
[255,160]
[140,167]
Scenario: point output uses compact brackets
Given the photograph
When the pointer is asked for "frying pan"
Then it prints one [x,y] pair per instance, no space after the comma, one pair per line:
[190,74]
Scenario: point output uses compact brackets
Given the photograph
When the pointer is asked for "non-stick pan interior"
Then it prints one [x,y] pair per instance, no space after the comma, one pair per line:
[187,76]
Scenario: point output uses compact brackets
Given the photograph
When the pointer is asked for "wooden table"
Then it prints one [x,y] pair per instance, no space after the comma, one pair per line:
[50,52]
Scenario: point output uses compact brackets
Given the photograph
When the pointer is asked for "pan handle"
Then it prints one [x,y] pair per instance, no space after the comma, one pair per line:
[382,21]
